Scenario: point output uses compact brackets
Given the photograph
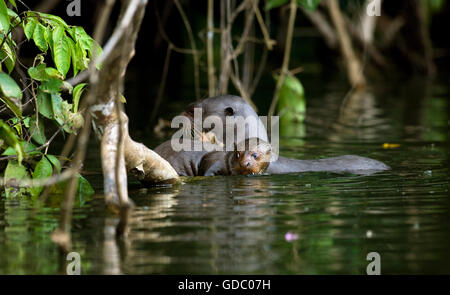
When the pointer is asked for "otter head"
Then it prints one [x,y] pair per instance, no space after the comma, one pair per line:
[233,107]
[252,156]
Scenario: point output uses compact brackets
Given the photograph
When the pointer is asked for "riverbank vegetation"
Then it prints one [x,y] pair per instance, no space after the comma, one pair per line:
[56,82]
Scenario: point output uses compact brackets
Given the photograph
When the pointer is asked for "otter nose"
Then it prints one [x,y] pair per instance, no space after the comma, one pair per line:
[247,164]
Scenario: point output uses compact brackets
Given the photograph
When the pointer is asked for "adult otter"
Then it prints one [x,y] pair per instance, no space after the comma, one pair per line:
[228,105]
[249,157]
[223,107]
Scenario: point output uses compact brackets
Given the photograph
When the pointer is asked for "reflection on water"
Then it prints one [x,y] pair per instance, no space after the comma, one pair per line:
[238,224]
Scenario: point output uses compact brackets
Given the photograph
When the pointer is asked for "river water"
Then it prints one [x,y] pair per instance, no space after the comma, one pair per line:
[309,223]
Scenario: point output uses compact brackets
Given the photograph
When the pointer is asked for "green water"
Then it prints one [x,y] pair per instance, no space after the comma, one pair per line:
[238,224]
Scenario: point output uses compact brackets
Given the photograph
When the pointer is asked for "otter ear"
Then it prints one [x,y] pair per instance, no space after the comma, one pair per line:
[229,111]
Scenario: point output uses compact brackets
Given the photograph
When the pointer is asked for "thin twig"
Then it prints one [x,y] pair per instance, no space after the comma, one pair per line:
[225,40]
[194,48]
[210,49]
[287,54]
[166,38]
[162,85]
[247,26]
[269,42]
[354,70]
[263,60]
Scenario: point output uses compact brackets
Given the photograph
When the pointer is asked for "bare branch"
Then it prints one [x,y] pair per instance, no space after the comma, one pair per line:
[287,54]
[354,69]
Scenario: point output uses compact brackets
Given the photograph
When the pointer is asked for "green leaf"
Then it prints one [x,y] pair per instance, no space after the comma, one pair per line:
[11,140]
[53,73]
[79,34]
[49,38]
[12,95]
[77,92]
[84,187]
[4,18]
[45,104]
[12,105]
[308,4]
[84,190]
[86,43]
[62,113]
[15,19]
[76,56]
[270,4]
[16,123]
[38,132]
[42,170]
[58,111]
[13,3]
[79,58]
[62,53]
[53,20]
[39,37]
[51,86]
[14,170]
[27,147]
[38,73]
[8,56]
[55,161]
[30,27]
[58,34]
[76,59]
[26,122]
[291,103]
[9,87]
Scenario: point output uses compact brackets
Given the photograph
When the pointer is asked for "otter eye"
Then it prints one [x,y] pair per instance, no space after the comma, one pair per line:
[237,155]
[255,155]
[229,111]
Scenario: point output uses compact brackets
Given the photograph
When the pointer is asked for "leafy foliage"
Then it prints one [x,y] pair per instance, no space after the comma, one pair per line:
[291,103]
[292,107]
[23,138]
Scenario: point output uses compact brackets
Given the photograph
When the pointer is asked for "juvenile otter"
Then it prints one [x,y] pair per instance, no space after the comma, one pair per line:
[227,105]
[249,157]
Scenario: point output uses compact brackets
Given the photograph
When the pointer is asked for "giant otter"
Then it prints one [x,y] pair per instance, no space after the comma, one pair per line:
[228,105]
[250,157]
